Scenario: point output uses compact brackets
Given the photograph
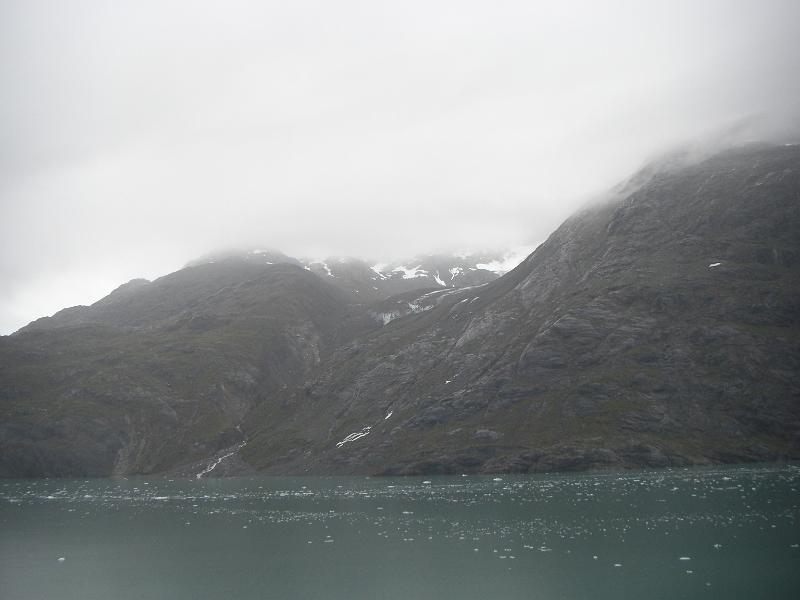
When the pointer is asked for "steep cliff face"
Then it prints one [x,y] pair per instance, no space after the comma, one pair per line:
[659,327]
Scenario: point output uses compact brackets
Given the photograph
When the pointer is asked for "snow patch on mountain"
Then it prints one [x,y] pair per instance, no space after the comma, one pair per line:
[411,273]
[509,260]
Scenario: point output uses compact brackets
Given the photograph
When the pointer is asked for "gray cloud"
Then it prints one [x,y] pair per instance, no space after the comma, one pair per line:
[135,136]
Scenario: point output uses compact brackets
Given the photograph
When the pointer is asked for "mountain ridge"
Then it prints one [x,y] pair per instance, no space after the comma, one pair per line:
[660,327]
[355,276]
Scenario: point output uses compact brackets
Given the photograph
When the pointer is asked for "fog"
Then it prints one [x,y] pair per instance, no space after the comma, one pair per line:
[136,136]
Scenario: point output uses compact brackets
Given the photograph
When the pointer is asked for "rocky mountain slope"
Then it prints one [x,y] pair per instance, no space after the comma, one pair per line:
[160,373]
[661,327]
[658,327]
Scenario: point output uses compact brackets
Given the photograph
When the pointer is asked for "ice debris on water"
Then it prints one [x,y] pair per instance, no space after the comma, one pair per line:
[262,504]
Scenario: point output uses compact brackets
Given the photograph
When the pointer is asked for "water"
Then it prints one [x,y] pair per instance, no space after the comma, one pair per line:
[721,533]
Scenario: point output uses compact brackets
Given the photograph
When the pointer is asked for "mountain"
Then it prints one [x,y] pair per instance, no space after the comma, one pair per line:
[369,282]
[162,373]
[659,326]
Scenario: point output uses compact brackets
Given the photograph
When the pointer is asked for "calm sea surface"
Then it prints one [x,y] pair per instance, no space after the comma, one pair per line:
[699,533]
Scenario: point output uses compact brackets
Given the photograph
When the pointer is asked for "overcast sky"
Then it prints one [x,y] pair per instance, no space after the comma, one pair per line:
[135,136]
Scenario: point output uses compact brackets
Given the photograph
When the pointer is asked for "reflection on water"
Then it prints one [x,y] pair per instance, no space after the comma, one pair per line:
[694,533]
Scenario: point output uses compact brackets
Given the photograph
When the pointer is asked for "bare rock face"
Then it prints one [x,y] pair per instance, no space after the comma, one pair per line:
[660,327]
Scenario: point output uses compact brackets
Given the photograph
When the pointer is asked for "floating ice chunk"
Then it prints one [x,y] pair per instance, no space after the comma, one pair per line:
[439,280]
[447,381]
[712,265]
